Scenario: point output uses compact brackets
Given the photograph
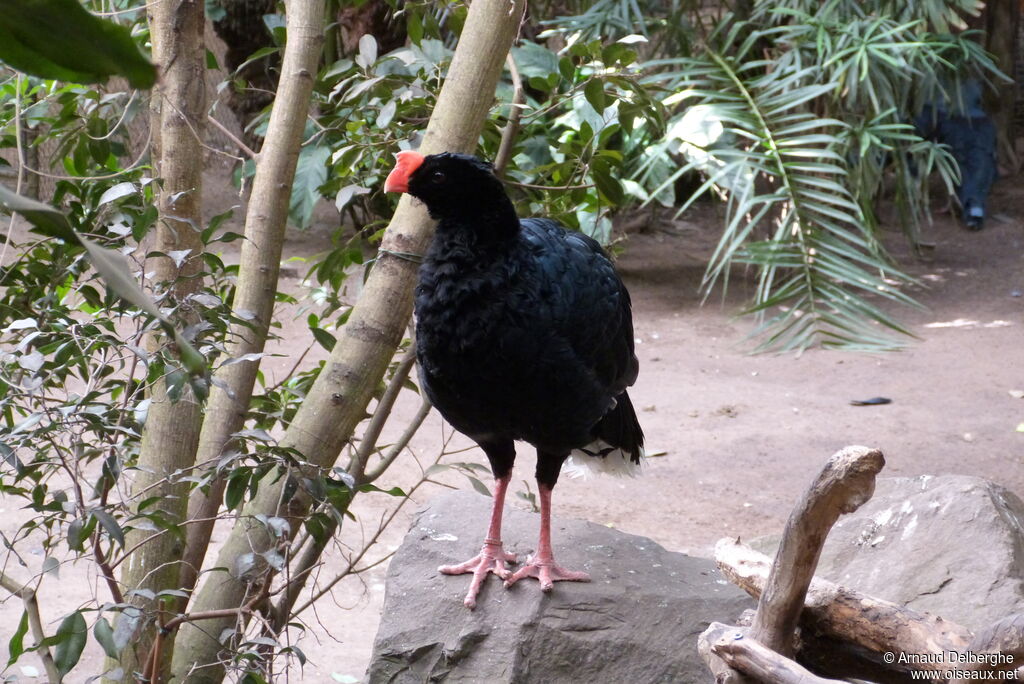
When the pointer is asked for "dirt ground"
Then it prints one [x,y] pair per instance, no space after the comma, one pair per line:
[739,435]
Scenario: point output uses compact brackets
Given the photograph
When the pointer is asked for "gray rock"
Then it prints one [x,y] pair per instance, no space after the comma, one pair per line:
[637,621]
[951,545]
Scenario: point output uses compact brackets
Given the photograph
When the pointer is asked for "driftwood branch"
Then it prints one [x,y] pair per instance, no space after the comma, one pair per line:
[848,615]
[845,483]
[864,636]
[754,659]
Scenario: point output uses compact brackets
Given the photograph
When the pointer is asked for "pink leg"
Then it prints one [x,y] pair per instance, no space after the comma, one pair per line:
[541,565]
[492,556]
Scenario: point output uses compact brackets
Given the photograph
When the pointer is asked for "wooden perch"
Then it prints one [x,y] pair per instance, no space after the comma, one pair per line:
[860,634]
[845,483]
[848,615]
[746,655]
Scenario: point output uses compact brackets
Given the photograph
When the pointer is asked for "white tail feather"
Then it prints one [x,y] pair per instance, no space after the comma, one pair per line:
[615,462]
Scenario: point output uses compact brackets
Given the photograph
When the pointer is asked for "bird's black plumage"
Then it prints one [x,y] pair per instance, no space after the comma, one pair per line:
[524,330]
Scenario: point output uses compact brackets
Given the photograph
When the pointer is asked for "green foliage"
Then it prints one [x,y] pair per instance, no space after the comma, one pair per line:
[800,122]
[586,118]
[59,39]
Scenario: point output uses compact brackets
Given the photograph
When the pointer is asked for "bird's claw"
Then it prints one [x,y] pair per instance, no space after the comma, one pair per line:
[547,572]
[492,558]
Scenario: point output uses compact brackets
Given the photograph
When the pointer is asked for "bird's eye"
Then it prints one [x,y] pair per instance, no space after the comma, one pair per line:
[437,177]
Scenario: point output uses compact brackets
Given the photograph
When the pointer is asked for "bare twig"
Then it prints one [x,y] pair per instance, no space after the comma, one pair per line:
[291,373]
[381,412]
[308,559]
[233,138]
[532,186]
[403,441]
[508,135]
[152,670]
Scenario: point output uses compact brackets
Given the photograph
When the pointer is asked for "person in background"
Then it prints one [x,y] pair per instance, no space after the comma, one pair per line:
[970,133]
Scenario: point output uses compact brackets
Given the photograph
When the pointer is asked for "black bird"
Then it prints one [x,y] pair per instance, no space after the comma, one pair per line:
[523,332]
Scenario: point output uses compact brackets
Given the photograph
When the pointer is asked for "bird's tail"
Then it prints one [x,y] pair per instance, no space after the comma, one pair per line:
[618,444]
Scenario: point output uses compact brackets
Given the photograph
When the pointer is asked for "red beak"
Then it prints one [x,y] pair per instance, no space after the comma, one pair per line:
[398,179]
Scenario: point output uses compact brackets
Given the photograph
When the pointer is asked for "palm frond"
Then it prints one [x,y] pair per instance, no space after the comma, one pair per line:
[783,171]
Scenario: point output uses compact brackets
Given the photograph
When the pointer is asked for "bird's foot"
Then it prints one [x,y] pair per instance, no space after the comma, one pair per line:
[492,558]
[547,571]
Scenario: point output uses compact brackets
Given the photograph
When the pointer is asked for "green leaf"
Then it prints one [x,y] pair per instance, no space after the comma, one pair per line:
[104,634]
[594,92]
[72,635]
[310,174]
[394,491]
[478,485]
[109,523]
[45,219]
[535,60]
[414,27]
[235,491]
[16,646]
[59,39]
[324,338]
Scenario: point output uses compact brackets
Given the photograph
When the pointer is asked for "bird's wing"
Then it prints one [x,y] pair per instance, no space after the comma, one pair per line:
[588,302]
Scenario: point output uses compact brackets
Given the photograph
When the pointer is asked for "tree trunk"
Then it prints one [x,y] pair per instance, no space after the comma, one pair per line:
[259,266]
[338,399]
[171,432]
[1002,19]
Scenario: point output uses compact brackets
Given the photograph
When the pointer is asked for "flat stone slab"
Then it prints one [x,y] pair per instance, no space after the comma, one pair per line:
[636,621]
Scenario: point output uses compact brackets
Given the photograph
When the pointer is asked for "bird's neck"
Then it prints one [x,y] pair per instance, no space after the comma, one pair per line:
[490,226]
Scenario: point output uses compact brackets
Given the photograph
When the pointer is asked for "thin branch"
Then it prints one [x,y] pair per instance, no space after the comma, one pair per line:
[532,186]
[195,133]
[357,465]
[105,570]
[153,658]
[309,558]
[508,135]
[131,549]
[28,597]
[143,153]
[288,376]
[395,449]
[21,161]
[233,138]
